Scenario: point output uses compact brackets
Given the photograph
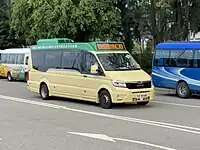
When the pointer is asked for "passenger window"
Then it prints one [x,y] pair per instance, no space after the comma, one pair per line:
[53,59]
[4,58]
[88,61]
[72,60]
[181,58]
[12,58]
[38,60]
[20,59]
[197,59]
[162,58]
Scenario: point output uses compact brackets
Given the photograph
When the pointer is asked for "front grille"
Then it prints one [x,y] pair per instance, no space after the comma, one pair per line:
[139,85]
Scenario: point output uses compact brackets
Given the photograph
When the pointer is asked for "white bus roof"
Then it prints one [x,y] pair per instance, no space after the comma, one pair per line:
[16,50]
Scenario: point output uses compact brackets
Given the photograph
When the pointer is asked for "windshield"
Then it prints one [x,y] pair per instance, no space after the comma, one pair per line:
[118,61]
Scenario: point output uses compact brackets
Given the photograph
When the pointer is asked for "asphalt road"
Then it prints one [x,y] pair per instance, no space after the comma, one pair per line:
[28,123]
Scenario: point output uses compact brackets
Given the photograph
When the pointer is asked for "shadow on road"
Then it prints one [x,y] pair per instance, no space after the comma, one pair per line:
[82,102]
[175,96]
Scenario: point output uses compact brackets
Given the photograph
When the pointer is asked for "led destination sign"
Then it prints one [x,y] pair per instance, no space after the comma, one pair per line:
[110,46]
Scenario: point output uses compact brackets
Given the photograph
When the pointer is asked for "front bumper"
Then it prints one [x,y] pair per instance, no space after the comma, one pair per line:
[121,95]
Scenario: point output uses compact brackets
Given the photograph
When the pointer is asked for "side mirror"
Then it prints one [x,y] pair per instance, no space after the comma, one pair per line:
[94,69]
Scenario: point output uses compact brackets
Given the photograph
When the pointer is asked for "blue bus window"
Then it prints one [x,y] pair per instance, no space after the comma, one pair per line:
[161,58]
[197,59]
[181,58]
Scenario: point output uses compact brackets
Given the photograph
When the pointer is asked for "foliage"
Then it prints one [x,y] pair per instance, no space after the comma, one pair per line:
[7,37]
[96,19]
[85,20]
[174,19]
[81,20]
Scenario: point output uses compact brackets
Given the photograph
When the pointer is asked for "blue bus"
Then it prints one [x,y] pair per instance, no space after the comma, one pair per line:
[176,65]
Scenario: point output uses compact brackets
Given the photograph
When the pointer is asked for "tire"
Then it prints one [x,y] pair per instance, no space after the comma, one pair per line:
[105,99]
[44,92]
[182,90]
[143,103]
[9,77]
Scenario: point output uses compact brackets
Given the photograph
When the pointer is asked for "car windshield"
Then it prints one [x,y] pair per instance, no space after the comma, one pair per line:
[118,61]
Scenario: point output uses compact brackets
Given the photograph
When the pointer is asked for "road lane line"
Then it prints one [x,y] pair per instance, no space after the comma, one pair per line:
[113,139]
[129,119]
[144,143]
[94,136]
[176,104]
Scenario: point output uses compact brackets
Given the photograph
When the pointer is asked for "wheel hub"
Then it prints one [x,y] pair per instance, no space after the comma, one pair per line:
[43,92]
[106,99]
[183,90]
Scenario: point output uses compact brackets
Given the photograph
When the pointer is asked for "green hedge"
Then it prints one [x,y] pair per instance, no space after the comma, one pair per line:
[145,60]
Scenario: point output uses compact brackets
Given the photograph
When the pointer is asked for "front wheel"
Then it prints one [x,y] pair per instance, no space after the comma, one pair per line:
[44,92]
[105,100]
[182,90]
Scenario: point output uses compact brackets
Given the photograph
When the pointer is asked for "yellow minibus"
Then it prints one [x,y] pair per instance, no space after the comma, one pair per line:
[101,72]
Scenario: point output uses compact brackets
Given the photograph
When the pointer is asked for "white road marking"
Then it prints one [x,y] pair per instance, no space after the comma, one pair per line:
[176,104]
[113,139]
[95,136]
[129,119]
[144,143]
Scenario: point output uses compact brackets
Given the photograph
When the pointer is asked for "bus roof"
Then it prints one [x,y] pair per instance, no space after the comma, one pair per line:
[65,43]
[16,50]
[177,45]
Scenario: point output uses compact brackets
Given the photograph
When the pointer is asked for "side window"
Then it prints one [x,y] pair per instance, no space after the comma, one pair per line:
[162,58]
[181,58]
[89,60]
[72,60]
[38,60]
[20,59]
[8,60]
[197,59]
[12,58]
[4,58]
[53,59]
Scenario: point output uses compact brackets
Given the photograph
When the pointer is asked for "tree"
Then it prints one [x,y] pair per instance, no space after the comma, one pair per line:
[174,20]
[7,38]
[41,19]
[77,19]
[96,19]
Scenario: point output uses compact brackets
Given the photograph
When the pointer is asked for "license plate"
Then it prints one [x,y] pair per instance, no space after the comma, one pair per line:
[141,96]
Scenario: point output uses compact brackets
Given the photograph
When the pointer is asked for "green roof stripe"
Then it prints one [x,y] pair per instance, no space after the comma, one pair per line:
[51,44]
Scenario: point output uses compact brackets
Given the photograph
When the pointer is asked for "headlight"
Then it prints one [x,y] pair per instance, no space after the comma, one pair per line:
[119,83]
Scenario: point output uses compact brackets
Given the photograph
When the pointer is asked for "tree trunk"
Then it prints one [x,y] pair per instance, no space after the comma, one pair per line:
[153,22]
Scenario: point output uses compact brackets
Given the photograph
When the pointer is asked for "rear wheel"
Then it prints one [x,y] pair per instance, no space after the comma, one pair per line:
[182,90]
[105,99]
[44,92]
[9,77]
